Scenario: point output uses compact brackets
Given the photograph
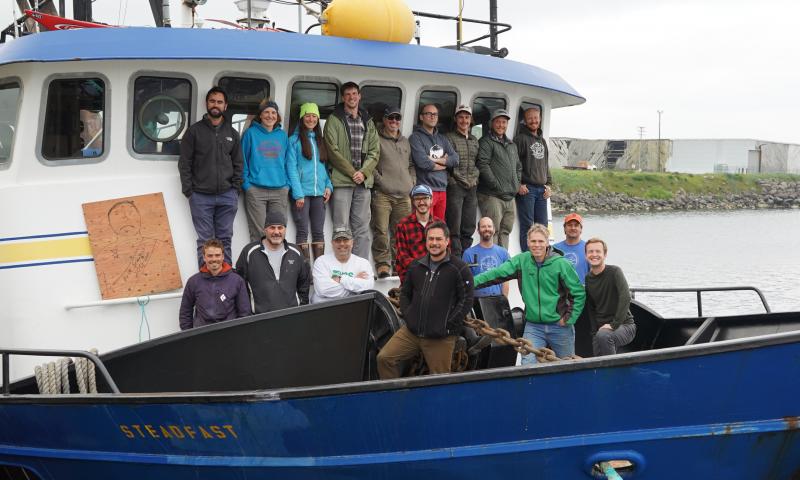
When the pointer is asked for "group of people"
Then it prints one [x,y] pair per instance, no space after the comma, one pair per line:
[419,196]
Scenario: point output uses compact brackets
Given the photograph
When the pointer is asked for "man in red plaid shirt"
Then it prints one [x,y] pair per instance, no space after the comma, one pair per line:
[410,232]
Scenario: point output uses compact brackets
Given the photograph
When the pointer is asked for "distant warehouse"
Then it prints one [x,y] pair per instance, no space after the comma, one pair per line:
[682,155]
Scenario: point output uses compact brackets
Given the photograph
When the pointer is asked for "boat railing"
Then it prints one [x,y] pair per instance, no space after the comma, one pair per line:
[495,29]
[6,354]
[699,291]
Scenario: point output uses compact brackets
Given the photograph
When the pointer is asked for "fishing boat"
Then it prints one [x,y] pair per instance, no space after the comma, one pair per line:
[88,115]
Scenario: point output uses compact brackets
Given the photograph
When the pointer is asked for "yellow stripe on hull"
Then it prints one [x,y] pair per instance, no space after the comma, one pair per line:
[45,250]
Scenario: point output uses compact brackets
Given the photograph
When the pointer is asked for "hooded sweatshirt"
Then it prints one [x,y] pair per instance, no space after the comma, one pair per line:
[551,292]
[210,299]
[533,154]
[265,161]
[313,175]
[421,142]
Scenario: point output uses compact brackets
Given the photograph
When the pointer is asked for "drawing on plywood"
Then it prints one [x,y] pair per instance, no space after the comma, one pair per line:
[132,246]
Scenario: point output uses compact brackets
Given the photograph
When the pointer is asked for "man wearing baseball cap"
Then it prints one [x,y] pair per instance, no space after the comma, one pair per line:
[394,177]
[342,273]
[410,235]
[275,270]
[462,183]
[572,247]
[500,173]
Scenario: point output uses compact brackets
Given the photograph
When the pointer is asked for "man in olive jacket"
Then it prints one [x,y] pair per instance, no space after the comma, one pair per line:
[353,151]
[500,174]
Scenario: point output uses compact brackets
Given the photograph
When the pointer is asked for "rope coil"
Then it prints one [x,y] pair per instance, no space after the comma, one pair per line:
[52,378]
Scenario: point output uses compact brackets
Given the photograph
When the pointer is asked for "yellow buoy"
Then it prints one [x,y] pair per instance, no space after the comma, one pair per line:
[381,20]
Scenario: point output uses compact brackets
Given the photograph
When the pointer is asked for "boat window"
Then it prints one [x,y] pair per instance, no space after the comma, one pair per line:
[324,94]
[482,108]
[74,119]
[445,101]
[376,99]
[244,95]
[521,114]
[161,114]
[9,108]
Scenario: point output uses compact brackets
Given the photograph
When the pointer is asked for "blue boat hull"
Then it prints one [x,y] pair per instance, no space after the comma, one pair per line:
[724,410]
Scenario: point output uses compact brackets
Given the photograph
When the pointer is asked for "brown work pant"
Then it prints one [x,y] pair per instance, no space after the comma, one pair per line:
[404,345]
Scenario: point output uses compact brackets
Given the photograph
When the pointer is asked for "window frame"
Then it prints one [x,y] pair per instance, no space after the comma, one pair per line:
[131,122]
[287,118]
[255,76]
[521,119]
[43,111]
[8,80]
[388,84]
[497,95]
[435,88]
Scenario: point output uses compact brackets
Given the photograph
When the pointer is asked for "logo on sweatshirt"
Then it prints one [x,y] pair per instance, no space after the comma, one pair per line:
[537,150]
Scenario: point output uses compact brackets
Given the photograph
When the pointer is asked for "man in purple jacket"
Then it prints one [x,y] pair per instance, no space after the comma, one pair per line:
[214,294]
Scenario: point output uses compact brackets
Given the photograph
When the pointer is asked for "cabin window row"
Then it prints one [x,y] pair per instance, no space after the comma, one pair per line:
[162,108]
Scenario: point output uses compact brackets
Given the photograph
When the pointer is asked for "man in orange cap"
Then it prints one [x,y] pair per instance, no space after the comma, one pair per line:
[573,248]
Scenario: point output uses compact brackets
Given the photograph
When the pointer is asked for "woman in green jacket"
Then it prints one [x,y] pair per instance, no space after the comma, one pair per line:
[551,290]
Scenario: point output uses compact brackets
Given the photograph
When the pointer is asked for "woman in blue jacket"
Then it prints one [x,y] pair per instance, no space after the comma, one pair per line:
[267,175]
[307,153]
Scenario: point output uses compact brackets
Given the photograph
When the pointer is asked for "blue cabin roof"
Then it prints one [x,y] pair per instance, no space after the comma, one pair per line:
[210,44]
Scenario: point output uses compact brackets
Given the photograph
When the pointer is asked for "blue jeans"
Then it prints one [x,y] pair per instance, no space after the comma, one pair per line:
[531,208]
[560,339]
[212,216]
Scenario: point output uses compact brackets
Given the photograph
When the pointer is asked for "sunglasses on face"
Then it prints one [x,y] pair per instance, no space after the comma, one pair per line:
[393,118]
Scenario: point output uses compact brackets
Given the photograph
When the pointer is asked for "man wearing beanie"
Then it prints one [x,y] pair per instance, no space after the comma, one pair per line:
[275,271]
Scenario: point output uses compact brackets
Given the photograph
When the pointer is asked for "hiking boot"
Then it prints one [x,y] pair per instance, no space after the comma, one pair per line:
[384,271]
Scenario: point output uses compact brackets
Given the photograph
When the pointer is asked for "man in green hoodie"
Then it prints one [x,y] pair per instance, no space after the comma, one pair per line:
[353,150]
[551,290]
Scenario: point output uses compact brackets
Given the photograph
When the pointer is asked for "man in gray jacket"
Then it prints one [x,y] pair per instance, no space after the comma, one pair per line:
[500,173]
[432,155]
[394,177]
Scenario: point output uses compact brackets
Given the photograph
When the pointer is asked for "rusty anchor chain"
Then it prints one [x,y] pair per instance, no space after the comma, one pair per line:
[521,345]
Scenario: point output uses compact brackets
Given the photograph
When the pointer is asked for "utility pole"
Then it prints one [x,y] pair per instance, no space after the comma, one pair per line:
[659,139]
[641,145]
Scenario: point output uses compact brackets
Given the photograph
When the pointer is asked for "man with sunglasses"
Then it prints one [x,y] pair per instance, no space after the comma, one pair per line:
[394,177]
[433,155]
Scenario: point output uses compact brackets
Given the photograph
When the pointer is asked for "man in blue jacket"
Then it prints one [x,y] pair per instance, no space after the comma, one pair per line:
[214,294]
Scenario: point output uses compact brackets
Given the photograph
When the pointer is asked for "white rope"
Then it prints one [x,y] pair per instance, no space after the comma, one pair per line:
[52,378]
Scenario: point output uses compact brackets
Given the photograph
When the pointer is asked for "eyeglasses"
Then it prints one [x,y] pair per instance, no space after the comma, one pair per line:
[430,114]
[393,118]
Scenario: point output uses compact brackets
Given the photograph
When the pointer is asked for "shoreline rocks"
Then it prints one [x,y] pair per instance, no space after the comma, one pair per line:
[773,194]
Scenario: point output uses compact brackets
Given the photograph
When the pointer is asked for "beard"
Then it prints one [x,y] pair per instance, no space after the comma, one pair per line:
[214,113]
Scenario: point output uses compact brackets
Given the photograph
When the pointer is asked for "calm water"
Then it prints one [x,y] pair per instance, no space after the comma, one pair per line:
[694,249]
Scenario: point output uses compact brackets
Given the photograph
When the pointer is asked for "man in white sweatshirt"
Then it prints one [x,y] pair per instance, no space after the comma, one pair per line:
[341,274]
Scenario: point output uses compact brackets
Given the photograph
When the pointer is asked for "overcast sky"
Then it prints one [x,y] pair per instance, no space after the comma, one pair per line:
[717,68]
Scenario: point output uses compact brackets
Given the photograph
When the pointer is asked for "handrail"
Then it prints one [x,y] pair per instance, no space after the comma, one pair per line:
[504,28]
[7,352]
[122,301]
[700,290]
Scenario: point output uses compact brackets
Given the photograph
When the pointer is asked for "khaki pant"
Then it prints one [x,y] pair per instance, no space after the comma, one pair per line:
[404,345]
[258,201]
[502,214]
[387,211]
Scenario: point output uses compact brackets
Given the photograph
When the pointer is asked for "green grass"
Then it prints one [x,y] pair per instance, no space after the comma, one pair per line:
[662,186]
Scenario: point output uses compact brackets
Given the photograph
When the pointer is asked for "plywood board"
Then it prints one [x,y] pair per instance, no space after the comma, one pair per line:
[132,246]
